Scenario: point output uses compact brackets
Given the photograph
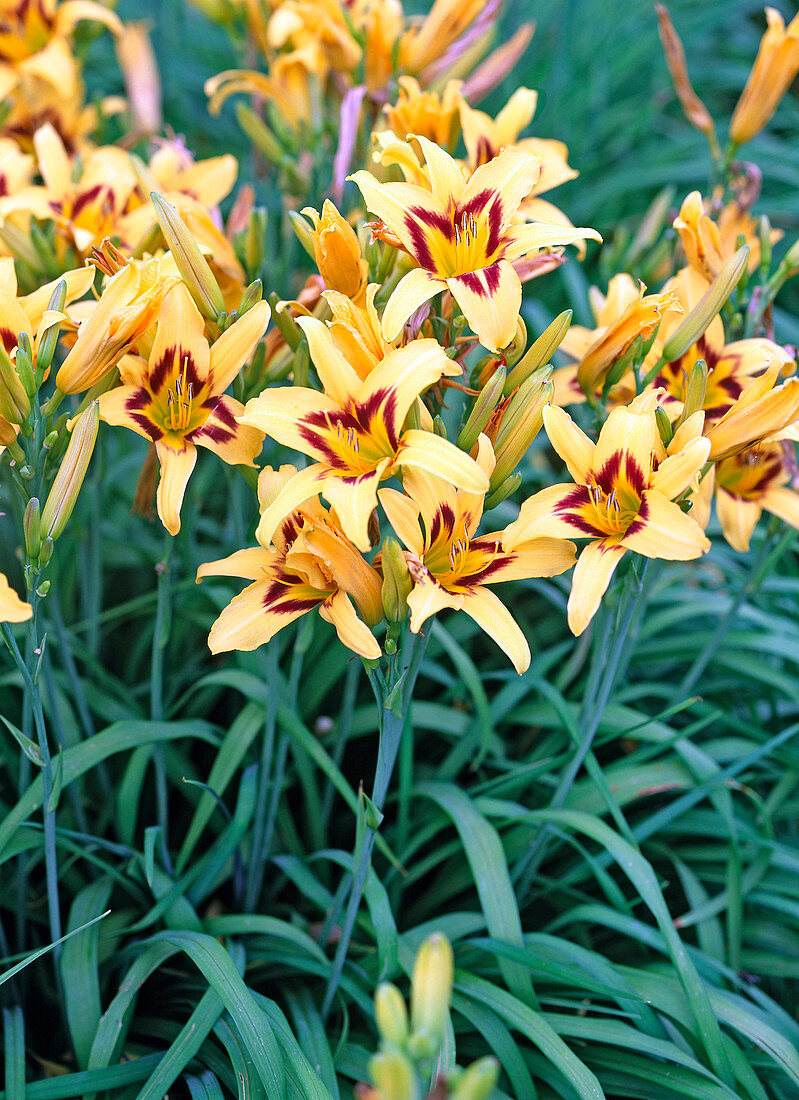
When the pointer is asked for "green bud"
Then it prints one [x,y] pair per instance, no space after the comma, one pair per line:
[531,396]
[259,133]
[695,391]
[503,491]
[66,486]
[24,367]
[483,407]
[664,425]
[15,405]
[49,340]
[515,349]
[26,472]
[397,582]
[478,1081]
[252,295]
[190,261]
[708,307]
[31,528]
[285,323]
[764,235]
[439,427]
[394,1076]
[524,424]
[391,1013]
[255,241]
[45,551]
[50,440]
[431,987]
[302,361]
[43,589]
[540,352]
[302,232]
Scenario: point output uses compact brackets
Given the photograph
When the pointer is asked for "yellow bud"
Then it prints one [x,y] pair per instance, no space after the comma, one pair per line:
[390,1011]
[71,472]
[8,438]
[302,232]
[708,307]
[190,261]
[397,583]
[15,404]
[478,1081]
[524,421]
[694,391]
[394,1076]
[431,986]
[483,408]
[540,352]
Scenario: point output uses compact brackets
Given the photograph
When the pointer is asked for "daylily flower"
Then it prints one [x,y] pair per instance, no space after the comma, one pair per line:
[623,497]
[451,565]
[356,330]
[753,481]
[775,67]
[309,563]
[762,409]
[12,608]
[29,313]
[435,115]
[354,431]
[128,306]
[337,252]
[178,399]
[709,244]
[461,235]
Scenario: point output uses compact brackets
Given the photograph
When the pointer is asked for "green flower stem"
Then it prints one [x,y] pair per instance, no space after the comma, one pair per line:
[393,699]
[767,557]
[610,647]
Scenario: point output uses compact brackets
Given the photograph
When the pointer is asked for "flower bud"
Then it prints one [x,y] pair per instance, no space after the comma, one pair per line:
[664,425]
[259,133]
[45,551]
[764,236]
[708,307]
[285,323]
[23,364]
[31,528]
[390,1011]
[252,295]
[71,472]
[502,492]
[48,340]
[540,352]
[694,391]
[394,1076]
[254,241]
[478,1081]
[397,582]
[439,427]
[15,405]
[482,410]
[431,987]
[304,234]
[190,261]
[515,349]
[519,427]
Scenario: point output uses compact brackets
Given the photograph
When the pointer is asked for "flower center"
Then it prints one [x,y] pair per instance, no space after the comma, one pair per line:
[179,402]
[613,512]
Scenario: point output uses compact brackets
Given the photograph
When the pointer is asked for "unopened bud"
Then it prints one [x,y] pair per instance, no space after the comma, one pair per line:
[540,352]
[439,427]
[285,323]
[43,589]
[483,407]
[397,582]
[302,361]
[515,349]
[478,1081]
[708,307]
[259,133]
[524,424]
[790,261]
[15,404]
[431,986]
[304,234]
[26,472]
[190,261]
[50,440]
[502,492]
[695,391]
[45,551]
[49,339]
[633,355]
[255,241]
[394,1076]
[32,529]
[664,425]
[71,472]
[24,368]
[391,1015]
[252,295]
[764,235]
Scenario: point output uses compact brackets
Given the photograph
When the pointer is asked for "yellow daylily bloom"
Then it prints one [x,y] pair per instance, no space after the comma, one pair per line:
[623,495]
[128,306]
[337,252]
[178,401]
[287,87]
[749,483]
[762,409]
[428,42]
[308,564]
[356,330]
[451,565]
[775,67]
[709,244]
[354,431]
[29,312]
[12,608]
[173,170]
[436,115]
[460,233]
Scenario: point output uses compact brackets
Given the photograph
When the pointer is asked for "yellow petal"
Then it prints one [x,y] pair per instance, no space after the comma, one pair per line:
[738,518]
[281,413]
[555,512]
[403,515]
[130,407]
[512,175]
[236,444]
[528,238]
[542,557]
[405,208]
[251,564]
[235,346]
[412,291]
[490,299]
[352,632]
[442,459]
[179,342]
[676,473]
[176,468]
[625,445]
[354,499]
[490,613]
[12,608]
[446,178]
[592,574]
[428,598]
[663,530]
[299,488]
[570,442]
[349,570]
[782,502]
[255,616]
[339,380]
[402,375]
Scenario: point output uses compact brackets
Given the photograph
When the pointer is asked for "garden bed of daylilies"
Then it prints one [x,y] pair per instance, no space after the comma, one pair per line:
[277,757]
